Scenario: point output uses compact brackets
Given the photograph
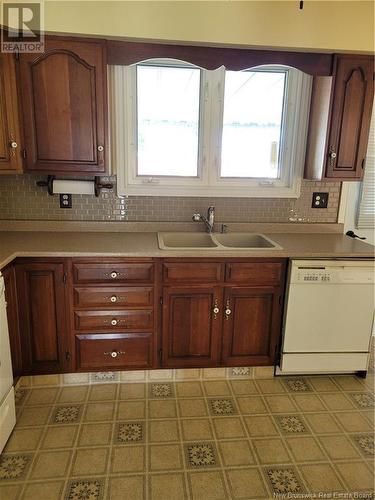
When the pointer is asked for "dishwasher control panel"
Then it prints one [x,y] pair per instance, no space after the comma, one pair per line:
[332,272]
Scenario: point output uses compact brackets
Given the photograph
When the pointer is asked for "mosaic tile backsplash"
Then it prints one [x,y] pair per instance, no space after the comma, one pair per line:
[21,199]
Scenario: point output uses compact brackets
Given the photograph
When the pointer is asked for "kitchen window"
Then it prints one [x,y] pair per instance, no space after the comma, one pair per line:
[184,131]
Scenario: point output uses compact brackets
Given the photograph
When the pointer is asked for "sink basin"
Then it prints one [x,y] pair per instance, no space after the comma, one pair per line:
[189,241]
[215,241]
[244,240]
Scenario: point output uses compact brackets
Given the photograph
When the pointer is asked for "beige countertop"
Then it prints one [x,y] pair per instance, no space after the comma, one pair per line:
[144,244]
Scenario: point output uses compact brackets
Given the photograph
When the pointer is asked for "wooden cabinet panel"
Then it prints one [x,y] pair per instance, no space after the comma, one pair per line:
[113,272]
[13,323]
[113,296]
[254,273]
[191,327]
[115,351]
[64,105]
[124,319]
[42,315]
[10,135]
[251,328]
[191,272]
[352,101]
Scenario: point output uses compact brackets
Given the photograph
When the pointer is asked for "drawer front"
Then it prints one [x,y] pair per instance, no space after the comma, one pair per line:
[139,319]
[193,272]
[123,272]
[113,296]
[114,351]
[253,273]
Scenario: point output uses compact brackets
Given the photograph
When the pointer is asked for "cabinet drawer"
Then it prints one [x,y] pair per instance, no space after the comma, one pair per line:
[113,296]
[193,272]
[114,320]
[253,273]
[122,272]
[118,350]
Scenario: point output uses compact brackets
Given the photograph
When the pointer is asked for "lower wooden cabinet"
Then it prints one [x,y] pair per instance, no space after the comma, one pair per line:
[42,317]
[251,325]
[65,316]
[191,326]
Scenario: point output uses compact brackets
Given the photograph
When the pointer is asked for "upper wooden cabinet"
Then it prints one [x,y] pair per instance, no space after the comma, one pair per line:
[64,99]
[353,96]
[340,120]
[10,137]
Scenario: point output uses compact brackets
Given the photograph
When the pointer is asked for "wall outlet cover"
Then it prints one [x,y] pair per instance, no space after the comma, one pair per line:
[319,200]
[65,201]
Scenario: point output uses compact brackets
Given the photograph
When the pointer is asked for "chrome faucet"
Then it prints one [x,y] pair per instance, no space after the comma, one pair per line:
[209,220]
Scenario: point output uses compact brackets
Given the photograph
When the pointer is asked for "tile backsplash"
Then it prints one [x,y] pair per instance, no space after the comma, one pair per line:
[21,199]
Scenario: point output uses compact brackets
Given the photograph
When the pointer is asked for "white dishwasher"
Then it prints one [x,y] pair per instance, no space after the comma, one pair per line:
[328,317]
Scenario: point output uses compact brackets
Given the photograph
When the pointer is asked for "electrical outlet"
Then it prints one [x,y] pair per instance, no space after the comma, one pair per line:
[65,201]
[319,200]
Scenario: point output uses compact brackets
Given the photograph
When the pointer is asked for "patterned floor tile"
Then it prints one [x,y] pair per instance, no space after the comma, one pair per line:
[129,432]
[297,385]
[363,400]
[161,390]
[238,439]
[291,424]
[222,406]
[284,480]
[14,467]
[365,443]
[85,489]
[66,414]
[201,455]
[20,396]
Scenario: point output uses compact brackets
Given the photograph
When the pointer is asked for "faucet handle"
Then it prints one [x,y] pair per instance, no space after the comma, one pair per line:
[196,217]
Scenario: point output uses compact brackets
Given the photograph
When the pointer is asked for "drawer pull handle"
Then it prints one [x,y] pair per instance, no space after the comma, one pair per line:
[114,274]
[114,353]
[114,322]
[113,298]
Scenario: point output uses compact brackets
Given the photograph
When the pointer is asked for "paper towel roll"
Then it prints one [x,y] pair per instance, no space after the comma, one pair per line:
[73,187]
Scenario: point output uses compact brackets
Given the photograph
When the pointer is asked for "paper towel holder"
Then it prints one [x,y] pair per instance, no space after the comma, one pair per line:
[98,186]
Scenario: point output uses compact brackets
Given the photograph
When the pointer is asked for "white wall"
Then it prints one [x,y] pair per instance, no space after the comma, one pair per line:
[351,193]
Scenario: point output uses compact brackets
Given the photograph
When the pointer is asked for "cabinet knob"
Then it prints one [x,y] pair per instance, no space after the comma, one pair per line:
[13,144]
[113,298]
[228,310]
[114,353]
[114,274]
[332,155]
[114,322]
[216,309]
[100,148]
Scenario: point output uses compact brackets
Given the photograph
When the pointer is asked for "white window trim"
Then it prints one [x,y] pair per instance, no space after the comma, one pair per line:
[123,118]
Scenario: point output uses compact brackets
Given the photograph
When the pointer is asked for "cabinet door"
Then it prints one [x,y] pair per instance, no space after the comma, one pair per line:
[10,151]
[12,315]
[42,316]
[251,325]
[64,105]
[191,326]
[352,101]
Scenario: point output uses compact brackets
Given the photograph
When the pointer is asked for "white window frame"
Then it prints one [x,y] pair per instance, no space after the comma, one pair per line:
[123,111]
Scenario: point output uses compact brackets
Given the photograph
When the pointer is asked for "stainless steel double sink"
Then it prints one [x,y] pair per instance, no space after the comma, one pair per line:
[215,241]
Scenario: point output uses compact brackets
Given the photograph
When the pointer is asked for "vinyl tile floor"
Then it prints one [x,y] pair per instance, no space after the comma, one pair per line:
[199,440]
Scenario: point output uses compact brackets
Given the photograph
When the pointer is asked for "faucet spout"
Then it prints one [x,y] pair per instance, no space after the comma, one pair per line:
[209,221]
